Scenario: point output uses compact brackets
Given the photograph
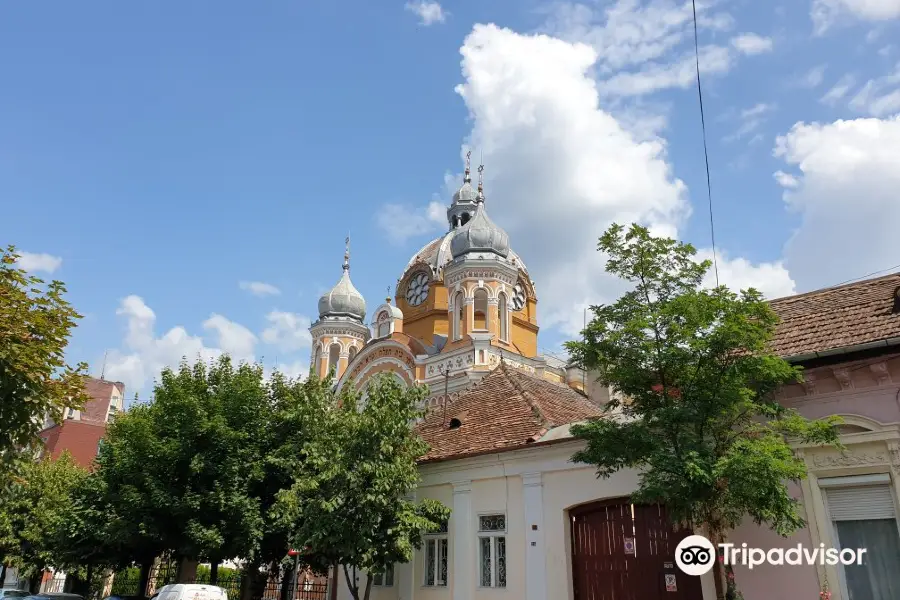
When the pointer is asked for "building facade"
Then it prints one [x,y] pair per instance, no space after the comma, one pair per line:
[527,522]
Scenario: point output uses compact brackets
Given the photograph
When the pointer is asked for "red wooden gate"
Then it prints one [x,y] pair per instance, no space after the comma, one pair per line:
[622,551]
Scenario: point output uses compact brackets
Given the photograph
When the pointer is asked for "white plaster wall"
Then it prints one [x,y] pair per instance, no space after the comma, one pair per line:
[495,496]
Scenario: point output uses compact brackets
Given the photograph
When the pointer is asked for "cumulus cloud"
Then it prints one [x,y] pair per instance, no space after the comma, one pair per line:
[751,44]
[401,222]
[786,180]
[560,168]
[259,288]
[287,331]
[42,262]
[429,12]
[825,13]
[145,355]
[846,196]
[771,279]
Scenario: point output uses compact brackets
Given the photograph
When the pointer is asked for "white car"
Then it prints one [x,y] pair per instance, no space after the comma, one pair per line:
[190,591]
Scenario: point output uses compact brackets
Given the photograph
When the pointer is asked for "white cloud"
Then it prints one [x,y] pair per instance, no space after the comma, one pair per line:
[751,44]
[537,116]
[825,13]
[429,12]
[846,199]
[259,288]
[287,331]
[814,77]
[838,90]
[38,262]
[879,97]
[233,338]
[751,119]
[647,46]
[145,354]
[786,180]
[771,279]
[402,222]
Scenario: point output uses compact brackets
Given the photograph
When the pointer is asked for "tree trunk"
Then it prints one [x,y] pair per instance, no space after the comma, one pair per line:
[34,583]
[334,581]
[368,586]
[286,578]
[89,576]
[249,581]
[352,582]
[214,572]
[144,581]
[187,570]
[2,576]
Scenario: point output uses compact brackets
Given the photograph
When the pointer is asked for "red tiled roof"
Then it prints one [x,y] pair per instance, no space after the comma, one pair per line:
[79,438]
[837,317]
[506,409]
[99,392]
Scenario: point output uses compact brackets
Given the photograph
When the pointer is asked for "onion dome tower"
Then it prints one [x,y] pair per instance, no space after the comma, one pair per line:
[340,332]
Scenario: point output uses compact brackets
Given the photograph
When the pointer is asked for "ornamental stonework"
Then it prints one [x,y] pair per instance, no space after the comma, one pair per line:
[849,459]
[453,364]
[396,353]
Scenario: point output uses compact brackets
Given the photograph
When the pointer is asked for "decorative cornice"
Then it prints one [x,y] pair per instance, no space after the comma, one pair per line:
[462,487]
[880,372]
[848,459]
[842,374]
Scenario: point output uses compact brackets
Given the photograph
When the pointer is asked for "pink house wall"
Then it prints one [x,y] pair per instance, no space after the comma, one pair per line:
[865,388]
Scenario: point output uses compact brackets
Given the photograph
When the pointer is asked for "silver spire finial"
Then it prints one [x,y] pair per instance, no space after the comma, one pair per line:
[480,196]
[468,157]
[347,253]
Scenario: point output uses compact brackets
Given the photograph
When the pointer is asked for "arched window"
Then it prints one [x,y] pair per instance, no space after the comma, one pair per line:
[465,218]
[352,353]
[481,304]
[455,221]
[334,355]
[317,361]
[459,306]
[503,318]
[384,324]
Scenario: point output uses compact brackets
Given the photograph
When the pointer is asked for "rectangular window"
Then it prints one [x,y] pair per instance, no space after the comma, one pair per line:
[385,579]
[492,550]
[863,516]
[436,553]
[71,414]
[113,411]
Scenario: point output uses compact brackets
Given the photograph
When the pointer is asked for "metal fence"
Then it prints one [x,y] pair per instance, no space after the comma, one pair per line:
[309,589]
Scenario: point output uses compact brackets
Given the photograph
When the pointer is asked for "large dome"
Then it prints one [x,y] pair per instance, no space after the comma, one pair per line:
[436,254]
[343,300]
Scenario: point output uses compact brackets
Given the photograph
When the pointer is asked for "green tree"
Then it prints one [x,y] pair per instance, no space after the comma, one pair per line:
[351,505]
[32,509]
[694,379]
[35,381]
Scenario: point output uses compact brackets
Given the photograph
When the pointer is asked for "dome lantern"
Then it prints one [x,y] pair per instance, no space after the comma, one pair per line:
[480,234]
[465,199]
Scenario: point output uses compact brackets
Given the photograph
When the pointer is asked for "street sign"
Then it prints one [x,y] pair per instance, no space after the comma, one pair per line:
[293,552]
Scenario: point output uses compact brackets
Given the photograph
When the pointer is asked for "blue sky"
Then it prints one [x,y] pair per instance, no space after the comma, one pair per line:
[162,154]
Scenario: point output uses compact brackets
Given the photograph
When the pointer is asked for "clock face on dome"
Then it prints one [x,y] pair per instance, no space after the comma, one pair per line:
[417,289]
[518,299]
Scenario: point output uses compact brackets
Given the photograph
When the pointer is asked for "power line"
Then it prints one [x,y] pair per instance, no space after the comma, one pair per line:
[867,275]
[712,227]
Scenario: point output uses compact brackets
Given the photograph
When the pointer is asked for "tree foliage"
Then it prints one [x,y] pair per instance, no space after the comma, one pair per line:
[32,511]
[35,381]
[352,505]
[694,382]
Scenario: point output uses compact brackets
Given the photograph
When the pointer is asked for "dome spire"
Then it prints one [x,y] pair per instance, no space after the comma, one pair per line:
[347,253]
[479,197]
[467,178]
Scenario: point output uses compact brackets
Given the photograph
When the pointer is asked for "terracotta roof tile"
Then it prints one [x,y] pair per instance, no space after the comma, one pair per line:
[99,392]
[831,318]
[508,408]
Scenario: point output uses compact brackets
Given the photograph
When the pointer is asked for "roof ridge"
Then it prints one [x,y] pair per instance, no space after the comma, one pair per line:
[526,395]
[834,287]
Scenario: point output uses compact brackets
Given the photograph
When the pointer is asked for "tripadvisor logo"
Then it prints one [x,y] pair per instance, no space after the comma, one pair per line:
[695,555]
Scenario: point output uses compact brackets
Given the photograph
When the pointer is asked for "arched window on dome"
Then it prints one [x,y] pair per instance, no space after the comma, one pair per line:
[384,324]
[503,318]
[459,306]
[465,219]
[481,310]
[455,222]
[352,353]
[334,355]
